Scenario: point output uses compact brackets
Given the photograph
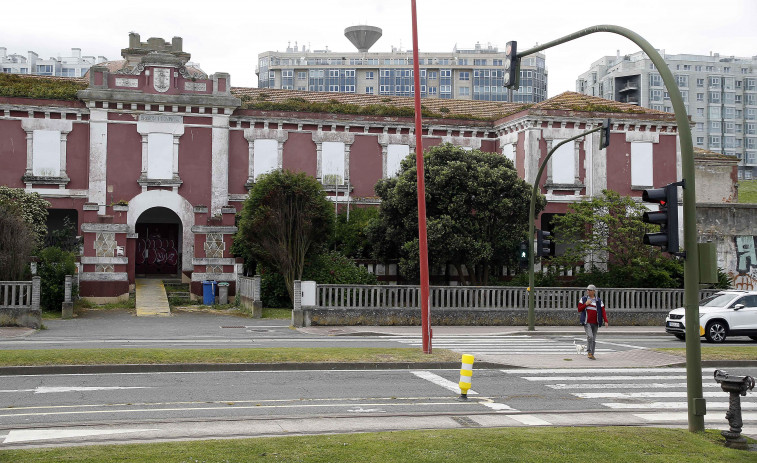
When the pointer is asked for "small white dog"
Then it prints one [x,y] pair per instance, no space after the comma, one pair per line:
[580,348]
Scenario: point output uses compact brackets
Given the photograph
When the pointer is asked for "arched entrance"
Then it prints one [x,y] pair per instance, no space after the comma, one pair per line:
[159,243]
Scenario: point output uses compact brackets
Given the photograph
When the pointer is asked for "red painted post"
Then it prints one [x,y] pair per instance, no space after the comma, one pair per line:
[422,244]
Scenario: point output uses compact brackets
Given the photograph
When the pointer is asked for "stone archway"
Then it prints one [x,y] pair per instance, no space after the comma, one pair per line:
[164,207]
[158,247]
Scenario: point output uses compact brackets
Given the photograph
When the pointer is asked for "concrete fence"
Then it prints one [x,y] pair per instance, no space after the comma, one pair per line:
[459,305]
[248,290]
[19,303]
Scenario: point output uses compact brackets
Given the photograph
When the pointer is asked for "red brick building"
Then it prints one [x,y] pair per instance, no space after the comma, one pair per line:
[154,157]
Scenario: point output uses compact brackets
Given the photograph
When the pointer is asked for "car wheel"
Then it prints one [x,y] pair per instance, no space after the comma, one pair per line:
[716,332]
[680,336]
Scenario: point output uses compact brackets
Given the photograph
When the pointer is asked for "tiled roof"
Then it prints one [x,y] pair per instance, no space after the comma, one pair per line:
[491,110]
[476,108]
[573,101]
[703,153]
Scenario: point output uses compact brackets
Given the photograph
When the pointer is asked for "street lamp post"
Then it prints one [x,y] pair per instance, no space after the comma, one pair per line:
[531,218]
[696,402]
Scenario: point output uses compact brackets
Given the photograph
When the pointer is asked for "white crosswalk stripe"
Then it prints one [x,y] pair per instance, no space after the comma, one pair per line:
[643,389]
[496,344]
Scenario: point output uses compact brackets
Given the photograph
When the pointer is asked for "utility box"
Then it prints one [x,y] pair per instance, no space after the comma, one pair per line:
[308,293]
[708,262]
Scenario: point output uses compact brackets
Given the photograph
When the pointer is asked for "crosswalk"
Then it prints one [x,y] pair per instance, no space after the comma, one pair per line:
[503,345]
[656,394]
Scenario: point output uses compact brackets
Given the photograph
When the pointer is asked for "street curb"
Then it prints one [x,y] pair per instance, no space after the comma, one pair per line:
[202,367]
[511,333]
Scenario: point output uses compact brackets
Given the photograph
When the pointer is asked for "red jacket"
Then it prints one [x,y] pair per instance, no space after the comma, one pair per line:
[589,310]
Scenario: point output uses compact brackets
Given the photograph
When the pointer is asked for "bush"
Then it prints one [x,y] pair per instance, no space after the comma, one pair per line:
[327,268]
[54,265]
[15,245]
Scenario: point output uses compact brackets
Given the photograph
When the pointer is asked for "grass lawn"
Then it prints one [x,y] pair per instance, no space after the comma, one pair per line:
[748,191]
[10,357]
[548,445]
[718,353]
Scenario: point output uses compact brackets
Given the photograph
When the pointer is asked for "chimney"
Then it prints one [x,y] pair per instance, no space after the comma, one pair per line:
[3,52]
[76,53]
[177,43]
[134,41]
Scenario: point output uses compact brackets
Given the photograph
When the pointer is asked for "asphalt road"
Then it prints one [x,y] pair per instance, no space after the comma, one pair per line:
[121,407]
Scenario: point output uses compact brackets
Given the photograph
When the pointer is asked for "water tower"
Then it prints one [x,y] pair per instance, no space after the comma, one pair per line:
[363,37]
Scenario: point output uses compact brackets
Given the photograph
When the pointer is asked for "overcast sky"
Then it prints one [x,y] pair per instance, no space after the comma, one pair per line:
[228,35]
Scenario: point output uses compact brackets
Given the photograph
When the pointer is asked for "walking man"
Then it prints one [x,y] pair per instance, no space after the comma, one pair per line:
[593,314]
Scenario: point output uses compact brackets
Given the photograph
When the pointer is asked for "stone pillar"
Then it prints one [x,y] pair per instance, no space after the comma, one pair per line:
[257,302]
[298,318]
[220,164]
[36,286]
[98,157]
[68,304]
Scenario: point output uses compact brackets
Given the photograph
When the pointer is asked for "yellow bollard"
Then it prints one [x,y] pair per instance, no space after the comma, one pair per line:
[466,371]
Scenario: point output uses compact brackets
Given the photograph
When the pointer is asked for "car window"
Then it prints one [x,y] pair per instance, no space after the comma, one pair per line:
[716,300]
[748,301]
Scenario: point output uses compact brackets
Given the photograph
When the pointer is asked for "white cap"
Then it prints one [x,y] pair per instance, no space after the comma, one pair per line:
[591,288]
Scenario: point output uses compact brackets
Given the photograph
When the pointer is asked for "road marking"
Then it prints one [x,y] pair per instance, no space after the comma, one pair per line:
[626,386]
[27,435]
[52,389]
[366,410]
[529,371]
[530,420]
[640,395]
[439,381]
[684,416]
[682,405]
[498,407]
[600,378]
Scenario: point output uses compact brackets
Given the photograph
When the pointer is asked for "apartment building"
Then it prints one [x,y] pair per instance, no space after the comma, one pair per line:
[475,73]
[719,92]
[74,65]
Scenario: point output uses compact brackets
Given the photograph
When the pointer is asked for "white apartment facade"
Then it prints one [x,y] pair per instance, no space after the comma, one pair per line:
[720,94]
[469,74]
[74,65]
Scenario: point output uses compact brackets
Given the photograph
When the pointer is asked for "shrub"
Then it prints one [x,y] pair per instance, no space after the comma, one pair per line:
[334,268]
[15,245]
[54,265]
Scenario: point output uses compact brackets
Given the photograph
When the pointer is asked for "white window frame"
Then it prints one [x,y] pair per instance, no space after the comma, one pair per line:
[642,164]
[265,156]
[394,155]
[42,150]
[333,163]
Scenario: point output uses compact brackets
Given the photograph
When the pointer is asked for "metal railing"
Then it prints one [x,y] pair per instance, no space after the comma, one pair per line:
[494,297]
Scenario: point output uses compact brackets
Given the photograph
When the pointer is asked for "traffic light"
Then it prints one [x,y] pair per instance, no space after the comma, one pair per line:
[523,254]
[543,244]
[512,65]
[666,217]
[604,135]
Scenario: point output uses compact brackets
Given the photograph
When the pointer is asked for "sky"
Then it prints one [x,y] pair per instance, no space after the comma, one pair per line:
[227,36]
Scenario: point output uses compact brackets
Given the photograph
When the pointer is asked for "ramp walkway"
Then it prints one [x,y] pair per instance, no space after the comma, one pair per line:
[152,300]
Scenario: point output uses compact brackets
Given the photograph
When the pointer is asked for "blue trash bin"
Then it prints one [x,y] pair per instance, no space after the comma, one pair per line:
[209,292]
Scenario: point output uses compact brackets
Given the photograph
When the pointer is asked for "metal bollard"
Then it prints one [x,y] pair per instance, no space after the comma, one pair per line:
[736,386]
[466,372]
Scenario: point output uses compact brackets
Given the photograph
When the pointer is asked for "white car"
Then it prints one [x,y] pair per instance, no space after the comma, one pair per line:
[727,313]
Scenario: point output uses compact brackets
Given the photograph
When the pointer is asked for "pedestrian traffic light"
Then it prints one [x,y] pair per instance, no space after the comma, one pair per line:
[523,254]
[604,135]
[512,65]
[543,243]
[666,217]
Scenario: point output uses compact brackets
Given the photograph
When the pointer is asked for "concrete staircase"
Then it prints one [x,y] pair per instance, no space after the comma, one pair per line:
[151,298]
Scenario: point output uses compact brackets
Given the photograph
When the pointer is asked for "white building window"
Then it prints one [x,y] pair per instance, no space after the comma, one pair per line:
[564,164]
[160,156]
[508,151]
[332,163]
[394,156]
[46,153]
[265,156]
[641,164]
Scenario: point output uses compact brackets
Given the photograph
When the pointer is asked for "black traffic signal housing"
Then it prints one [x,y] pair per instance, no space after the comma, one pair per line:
[512,65]
[604,134]
[543,243]
[523,254]
[666,217]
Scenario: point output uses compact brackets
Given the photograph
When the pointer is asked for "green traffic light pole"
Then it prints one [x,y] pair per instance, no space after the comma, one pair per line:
[696,402]
[531,218]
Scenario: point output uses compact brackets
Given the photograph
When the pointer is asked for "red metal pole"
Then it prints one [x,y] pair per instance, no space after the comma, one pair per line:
[422,244]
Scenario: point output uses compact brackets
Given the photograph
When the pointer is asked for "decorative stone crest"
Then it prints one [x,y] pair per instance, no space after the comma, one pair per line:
[161,80]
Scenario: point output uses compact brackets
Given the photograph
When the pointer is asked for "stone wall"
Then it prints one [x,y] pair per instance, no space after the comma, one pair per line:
[733,227]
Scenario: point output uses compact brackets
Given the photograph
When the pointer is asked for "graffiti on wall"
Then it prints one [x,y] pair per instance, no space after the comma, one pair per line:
[156,249]
[746,263]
